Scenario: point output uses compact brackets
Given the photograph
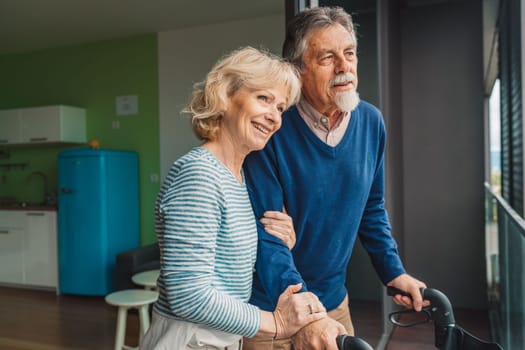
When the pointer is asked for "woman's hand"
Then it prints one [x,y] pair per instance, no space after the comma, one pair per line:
[296,310]
[280,225]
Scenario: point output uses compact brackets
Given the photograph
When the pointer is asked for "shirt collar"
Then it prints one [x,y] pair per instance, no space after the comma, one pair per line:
[313,118]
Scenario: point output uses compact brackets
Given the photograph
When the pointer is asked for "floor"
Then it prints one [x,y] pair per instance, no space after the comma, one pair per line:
[41,320]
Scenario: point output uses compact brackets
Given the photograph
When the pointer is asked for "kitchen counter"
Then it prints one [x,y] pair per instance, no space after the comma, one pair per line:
[28,245]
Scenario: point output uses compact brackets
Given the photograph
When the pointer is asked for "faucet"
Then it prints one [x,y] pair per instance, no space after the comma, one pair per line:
[44,183]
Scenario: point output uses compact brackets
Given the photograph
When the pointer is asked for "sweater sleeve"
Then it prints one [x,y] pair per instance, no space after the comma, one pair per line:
[274,266]
[191,211]
[374,229]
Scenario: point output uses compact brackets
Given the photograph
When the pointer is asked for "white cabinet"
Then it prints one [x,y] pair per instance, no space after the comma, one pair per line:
[43,124]
[28,248]
[9,126]
[40,248]
[11,246]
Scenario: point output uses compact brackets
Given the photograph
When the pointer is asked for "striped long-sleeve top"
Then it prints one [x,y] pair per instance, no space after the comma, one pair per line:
[208,241]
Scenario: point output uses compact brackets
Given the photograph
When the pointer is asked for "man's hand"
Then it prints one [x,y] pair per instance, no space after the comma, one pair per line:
[411,285]
[318,335]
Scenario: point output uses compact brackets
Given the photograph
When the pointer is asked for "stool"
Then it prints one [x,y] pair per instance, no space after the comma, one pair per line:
[148,279]
[131,299]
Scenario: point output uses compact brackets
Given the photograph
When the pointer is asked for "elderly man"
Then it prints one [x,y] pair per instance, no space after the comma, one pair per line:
[325,168]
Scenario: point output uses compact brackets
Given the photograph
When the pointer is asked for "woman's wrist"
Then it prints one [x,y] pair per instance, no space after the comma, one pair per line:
[275,322]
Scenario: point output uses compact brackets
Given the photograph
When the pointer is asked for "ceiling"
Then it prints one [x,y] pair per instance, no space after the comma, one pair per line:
[27,25]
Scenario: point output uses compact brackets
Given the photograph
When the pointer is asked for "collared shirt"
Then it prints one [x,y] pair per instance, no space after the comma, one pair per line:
[318,123]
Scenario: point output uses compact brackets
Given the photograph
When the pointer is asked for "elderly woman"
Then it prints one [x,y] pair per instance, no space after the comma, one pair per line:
[205,224]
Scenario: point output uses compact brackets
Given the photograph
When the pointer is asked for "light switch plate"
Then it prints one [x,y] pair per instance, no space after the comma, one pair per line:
[127,105]
[154,177]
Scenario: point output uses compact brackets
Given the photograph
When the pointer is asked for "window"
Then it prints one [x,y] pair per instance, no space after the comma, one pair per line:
[495,138]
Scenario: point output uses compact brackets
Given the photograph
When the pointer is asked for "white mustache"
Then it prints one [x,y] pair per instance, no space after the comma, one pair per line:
[342,78]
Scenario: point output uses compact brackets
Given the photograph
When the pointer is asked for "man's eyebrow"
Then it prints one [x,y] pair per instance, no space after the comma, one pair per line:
[322,52]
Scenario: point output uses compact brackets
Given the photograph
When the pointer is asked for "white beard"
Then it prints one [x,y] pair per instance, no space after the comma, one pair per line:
[347,101]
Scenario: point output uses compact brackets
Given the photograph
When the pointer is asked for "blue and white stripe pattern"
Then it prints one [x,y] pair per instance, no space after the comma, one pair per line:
[208,239]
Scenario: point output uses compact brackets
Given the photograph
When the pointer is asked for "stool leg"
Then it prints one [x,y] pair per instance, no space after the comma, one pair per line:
[144,319]
[121,327]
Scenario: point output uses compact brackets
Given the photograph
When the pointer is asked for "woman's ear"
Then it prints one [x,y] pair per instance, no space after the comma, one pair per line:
[224,104]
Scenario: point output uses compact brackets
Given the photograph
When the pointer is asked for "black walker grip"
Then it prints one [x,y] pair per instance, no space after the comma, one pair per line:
[391,291]
[348,342]
[442,312]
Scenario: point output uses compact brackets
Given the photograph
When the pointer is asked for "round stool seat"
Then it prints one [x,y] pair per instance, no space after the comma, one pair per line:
[148,279]
[132,297]
[139,299]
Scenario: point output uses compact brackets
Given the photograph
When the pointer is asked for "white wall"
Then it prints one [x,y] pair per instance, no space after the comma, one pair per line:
[185,56]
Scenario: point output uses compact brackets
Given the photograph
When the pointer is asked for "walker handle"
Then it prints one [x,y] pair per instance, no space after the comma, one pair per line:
[348,342]
[441,312]
[440,307]
[392,291]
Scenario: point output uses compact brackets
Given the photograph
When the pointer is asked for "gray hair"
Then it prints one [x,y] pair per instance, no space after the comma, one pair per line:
[304,22]
[248,68]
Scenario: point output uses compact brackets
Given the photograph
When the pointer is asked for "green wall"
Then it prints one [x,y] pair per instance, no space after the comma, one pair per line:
[88,76]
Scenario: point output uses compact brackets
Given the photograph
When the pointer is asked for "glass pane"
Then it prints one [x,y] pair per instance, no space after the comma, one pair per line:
[505,244]
[495,138]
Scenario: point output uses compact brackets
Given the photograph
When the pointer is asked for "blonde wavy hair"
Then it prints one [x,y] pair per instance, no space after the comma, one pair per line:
[243,68]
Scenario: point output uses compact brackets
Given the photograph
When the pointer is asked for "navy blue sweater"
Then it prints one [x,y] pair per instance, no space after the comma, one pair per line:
[333,194]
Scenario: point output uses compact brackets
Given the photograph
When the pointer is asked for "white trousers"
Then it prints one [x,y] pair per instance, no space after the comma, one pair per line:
[168,334]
